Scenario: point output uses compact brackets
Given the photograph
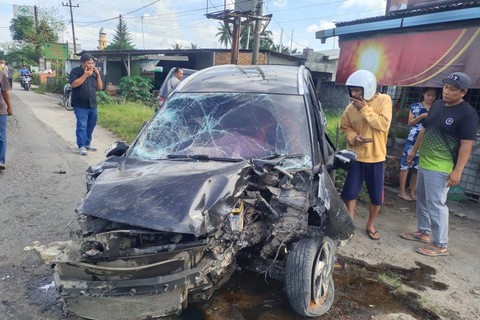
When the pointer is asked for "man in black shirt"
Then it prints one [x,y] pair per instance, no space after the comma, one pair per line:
[85,81]
[444,143]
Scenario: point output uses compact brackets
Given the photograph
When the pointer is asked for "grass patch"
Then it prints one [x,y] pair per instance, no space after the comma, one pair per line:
[125,120]
[430,306]
[391,281]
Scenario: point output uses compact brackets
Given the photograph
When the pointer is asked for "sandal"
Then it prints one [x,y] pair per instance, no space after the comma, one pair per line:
[373,235]
[433,251]
[406,197]
[416,236]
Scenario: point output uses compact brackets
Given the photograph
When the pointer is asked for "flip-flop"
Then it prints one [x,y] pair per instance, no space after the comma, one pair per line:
[432,251]
[411,236]
[372,235]
[410,199]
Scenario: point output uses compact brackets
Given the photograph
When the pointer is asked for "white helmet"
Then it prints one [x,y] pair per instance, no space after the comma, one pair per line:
[364,79]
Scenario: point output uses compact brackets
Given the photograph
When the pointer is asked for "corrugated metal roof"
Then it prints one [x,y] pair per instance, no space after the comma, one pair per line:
[415,12]
[437,17]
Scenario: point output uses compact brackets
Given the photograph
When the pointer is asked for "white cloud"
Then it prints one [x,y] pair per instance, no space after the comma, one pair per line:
[364,3]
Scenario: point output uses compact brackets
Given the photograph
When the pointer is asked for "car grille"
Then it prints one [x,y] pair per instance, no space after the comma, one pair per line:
[126,307]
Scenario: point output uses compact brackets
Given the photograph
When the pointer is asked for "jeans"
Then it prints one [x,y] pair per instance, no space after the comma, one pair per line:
[86,121]
[3,138]
[432,212]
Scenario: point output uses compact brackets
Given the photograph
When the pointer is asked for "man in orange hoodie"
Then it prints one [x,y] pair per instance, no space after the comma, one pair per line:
[365,124]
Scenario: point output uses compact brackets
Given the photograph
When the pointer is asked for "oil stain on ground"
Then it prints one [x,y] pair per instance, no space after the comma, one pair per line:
[362,291]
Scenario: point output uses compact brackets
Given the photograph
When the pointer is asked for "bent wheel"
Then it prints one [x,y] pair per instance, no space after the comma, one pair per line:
[309,276]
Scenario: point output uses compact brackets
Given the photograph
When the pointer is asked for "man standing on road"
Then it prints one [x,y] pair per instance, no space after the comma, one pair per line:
[365,123]
[445,143]
[85,81]
[5,110]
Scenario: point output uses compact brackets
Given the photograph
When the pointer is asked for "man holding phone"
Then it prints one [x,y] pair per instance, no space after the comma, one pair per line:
[85,81]
[365,124]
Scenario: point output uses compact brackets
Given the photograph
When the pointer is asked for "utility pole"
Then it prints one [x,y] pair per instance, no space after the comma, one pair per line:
[120,27]
[69,4]
[256,36]
[235,40]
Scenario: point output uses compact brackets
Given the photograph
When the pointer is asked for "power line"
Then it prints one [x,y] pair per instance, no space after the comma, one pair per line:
[69,4]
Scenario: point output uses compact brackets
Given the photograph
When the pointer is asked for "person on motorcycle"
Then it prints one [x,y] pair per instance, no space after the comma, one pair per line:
[24,72]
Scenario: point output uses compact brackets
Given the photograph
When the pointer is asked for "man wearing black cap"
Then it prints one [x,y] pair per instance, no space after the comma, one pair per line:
[445,142]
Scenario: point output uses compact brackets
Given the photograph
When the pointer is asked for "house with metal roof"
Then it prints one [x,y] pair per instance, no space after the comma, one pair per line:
[417,43]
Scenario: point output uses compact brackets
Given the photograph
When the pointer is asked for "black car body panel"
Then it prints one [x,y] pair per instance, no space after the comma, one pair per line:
[173,196]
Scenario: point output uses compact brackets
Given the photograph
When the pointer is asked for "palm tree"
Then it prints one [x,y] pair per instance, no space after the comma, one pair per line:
[224,33]
[193,46]
[177,46]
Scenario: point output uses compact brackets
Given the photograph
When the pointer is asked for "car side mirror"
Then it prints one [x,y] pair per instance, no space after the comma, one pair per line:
[119,148]
[342,160]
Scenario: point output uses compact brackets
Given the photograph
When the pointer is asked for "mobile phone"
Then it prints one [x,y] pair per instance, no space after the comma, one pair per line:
[367,140]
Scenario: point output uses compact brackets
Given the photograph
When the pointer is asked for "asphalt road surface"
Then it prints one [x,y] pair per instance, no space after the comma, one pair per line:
[39,190]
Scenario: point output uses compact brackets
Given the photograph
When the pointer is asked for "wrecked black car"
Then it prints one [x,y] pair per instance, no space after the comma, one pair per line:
[234,171]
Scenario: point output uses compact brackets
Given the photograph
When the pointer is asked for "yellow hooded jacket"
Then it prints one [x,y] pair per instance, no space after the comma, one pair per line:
[372,121]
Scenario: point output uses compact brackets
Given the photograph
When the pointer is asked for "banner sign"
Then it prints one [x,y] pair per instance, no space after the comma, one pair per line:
[419,59]
[27,11]
[56,51]
[394,6]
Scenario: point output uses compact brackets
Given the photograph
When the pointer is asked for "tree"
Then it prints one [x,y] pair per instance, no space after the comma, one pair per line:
[121,39]
[177,46]
[224,33]
[193,46]
[31,38]
[22,28]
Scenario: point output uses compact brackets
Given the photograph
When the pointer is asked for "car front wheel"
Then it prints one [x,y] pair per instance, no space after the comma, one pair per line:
[309,276]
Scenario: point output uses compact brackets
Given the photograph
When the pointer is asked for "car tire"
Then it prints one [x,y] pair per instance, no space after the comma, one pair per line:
[309,276]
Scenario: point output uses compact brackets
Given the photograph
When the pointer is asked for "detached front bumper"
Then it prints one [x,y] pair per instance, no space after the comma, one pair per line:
[140,287]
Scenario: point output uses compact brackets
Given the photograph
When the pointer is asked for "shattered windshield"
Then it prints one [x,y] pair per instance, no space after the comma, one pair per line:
[227,125]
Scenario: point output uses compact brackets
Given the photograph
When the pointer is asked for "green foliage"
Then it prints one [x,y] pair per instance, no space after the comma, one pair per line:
[22,27]
[121,39]
[103,98]
[125,119]
[23,54]
[224,33]
[177,46]
[31,39]
[136,89]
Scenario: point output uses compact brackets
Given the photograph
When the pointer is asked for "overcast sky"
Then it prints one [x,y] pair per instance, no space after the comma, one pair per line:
[160,24]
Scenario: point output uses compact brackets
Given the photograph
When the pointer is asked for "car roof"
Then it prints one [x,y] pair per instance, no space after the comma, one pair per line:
[186,73]
[274,79]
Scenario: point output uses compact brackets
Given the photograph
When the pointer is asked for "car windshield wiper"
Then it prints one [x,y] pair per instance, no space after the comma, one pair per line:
[202,157]
[285,156]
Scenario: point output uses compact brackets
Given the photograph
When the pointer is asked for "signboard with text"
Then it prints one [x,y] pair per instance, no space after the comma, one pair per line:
[56,51]
[414,59]
[27,11]
[394,6]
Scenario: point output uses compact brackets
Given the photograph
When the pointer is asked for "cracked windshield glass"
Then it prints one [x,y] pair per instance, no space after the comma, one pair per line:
[228,125]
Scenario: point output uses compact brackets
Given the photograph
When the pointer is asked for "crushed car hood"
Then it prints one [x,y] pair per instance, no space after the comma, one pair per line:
[190,197]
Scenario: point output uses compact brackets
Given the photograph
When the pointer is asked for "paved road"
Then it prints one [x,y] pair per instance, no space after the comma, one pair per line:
[37,201]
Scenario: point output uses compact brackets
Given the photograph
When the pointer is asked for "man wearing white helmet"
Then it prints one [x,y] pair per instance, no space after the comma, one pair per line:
[365,124]
[444,144]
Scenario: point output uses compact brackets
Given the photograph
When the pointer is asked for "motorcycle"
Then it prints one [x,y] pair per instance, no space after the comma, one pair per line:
[67,97]
[26,82]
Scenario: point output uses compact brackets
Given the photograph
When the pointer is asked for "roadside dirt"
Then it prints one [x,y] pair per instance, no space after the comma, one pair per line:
[455,290]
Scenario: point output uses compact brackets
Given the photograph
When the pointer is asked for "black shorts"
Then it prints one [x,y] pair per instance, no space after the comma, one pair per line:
[372,174]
